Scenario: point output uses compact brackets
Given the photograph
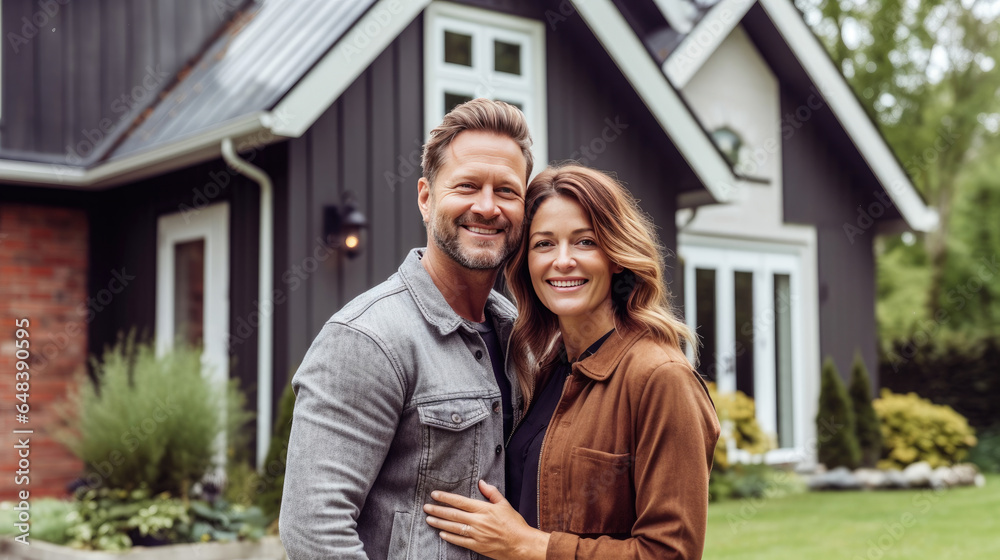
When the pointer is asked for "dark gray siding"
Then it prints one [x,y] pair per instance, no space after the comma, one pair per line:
[822,191]
[369,143]
[63,77]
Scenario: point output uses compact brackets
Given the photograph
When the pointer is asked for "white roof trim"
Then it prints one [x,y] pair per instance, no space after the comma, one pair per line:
[620,41]
[338,69]
[867,138]
[698,45]
[250,130]
[830,82]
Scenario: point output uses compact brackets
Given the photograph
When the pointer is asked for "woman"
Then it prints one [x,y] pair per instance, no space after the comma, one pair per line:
[613,457]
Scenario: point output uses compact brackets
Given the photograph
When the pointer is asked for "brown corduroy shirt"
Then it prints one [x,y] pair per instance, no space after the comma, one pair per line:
[625,464]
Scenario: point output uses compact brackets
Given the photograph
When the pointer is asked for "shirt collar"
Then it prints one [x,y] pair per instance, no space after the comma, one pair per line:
[600,365]
[435,308]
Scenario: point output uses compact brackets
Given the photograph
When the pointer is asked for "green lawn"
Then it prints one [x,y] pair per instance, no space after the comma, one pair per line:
[960,524]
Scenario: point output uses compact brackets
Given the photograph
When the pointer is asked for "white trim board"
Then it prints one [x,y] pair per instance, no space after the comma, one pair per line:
[620,41]
[722,19]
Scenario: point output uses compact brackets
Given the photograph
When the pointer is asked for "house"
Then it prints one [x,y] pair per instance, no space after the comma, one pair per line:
[181,167]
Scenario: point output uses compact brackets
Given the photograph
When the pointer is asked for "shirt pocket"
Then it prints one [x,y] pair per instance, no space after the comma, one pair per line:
[452,432]
[602,496]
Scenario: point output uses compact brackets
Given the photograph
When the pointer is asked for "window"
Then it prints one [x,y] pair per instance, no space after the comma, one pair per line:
[471,52]
[745,307]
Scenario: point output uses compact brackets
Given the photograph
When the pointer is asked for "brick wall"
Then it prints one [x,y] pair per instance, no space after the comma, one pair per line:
[43,277]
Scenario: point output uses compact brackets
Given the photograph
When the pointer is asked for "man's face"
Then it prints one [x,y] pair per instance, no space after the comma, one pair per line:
[475,208]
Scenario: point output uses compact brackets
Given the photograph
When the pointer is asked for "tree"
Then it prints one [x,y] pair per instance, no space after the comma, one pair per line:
[867,427]
[926,73]
[837,441]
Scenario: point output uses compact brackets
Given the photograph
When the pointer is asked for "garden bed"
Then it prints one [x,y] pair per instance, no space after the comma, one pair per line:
[268,548]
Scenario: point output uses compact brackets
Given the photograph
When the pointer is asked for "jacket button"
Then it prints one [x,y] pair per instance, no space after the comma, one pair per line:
[496,406]
[456,418]
[499,449]
[479,354]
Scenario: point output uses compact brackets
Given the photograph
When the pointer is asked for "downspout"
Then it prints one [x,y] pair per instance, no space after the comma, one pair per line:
[265,305]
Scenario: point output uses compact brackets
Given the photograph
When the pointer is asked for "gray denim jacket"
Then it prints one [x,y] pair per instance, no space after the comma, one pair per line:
[395,398]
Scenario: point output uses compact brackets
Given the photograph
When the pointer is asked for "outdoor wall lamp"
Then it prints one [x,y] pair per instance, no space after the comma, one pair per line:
[342,225]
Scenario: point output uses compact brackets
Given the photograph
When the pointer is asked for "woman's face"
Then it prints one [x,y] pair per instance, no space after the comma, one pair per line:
[570,273]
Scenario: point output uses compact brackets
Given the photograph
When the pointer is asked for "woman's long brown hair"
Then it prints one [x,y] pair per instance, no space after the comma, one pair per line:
[639,295]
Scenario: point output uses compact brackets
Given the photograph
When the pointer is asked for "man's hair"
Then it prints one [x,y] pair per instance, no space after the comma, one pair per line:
[478,114]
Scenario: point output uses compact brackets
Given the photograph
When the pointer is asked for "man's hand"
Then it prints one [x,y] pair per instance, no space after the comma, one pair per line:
[492,529]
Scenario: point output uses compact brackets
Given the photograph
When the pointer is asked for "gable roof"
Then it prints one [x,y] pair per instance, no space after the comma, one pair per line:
[711,30]
[274,76]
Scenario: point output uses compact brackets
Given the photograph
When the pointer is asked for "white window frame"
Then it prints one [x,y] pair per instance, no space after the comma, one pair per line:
[210,224]
[764,260]
[481,80]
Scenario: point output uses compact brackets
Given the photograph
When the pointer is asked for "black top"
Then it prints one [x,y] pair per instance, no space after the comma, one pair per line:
[489,334]
[525,448]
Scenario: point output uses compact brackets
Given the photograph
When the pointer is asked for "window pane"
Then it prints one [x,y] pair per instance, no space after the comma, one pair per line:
[453,99]
[514,103]
[783,358]
[189,291]
[458,48]
[704,280]
[743,283]
[507,57]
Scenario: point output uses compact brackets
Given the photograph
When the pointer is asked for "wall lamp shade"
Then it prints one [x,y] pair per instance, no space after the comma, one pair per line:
[343,224]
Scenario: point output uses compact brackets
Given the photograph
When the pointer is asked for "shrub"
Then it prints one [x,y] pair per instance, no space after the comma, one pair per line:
[914,429]
[737,409]
[958,370]
[986,453]
[277,455]
[837,445]
[50,520]
[108,519]
[866,426]
[146,421]
[753,481]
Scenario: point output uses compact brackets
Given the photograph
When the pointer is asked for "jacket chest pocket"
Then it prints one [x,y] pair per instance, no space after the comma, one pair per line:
[602,496]
[452,434]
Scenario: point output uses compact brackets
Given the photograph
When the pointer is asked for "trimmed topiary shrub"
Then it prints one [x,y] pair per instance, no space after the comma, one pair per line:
[915,429]
[837,442]
[866,424]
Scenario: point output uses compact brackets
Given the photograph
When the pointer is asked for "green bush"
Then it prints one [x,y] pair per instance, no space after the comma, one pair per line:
[147,421]
[866,424]
[738,409]
[986,453]
[837,444]
[108,519]
[914,429]
[753,481]
[958,370]
[50,520]
[273,474]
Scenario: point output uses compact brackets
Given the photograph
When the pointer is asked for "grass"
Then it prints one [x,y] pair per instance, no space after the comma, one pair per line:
[961,523]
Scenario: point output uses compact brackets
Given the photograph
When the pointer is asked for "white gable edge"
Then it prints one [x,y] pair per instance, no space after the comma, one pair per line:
[831,83]
[698,45]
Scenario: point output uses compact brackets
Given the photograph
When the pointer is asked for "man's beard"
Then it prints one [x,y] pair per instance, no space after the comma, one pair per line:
[446,235]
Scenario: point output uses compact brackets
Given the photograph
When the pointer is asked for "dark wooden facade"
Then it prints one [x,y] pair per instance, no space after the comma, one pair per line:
[68,66]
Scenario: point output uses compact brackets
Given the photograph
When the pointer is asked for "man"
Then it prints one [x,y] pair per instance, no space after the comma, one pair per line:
[406,389]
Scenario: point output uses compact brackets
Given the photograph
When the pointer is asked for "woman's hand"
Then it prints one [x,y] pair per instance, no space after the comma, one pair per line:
[492,529]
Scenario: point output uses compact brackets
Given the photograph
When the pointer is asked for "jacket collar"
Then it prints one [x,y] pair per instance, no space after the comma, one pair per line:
[435,308]
[600,365]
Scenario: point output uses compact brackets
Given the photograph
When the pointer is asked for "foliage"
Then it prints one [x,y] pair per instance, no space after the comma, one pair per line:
[915,429]
[225,523]
[107,519]
[753,481]
[737,410]
[148,421]
[273,475]
[50,519]
[837,444]
[955,369]
[866,424]
[926,73]
[986,453]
